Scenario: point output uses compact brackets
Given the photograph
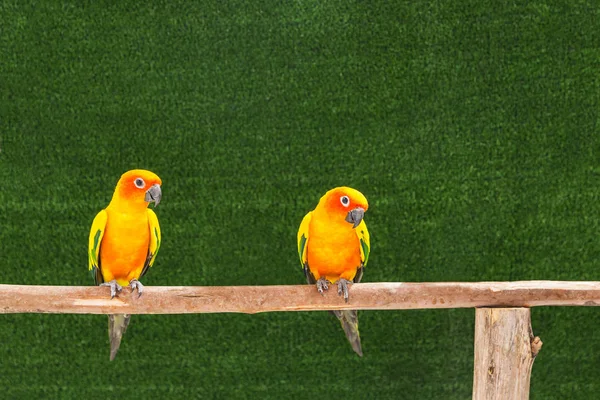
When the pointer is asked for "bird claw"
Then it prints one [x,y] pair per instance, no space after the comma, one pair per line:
[134,283]
[114,287]
[322,285]
[343,288]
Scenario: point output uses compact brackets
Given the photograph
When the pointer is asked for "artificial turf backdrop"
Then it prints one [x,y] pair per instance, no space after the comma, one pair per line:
[471,127]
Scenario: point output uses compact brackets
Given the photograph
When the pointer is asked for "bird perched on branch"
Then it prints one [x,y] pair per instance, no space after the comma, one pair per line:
[124,240]
[333,245]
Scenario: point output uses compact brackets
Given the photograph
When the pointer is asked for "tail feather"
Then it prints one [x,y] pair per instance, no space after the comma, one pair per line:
[349,321]
[117,326]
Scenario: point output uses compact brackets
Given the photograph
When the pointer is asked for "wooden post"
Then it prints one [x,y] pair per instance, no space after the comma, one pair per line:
[504,352]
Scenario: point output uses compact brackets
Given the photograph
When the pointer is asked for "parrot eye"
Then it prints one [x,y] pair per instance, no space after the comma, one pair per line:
[345,201]
[139,183]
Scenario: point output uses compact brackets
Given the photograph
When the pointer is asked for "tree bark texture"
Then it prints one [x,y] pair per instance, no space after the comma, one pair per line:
[505,349]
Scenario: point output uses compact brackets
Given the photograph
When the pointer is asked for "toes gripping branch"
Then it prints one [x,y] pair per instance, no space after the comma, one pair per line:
[343,288]
[322,285]
[134,283]
[114,287]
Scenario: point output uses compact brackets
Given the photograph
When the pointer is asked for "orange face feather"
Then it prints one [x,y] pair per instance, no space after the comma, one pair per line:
[132,187]
[333,201]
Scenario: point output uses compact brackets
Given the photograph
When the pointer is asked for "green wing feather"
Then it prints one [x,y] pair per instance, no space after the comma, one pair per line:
[94,243]
[303,239]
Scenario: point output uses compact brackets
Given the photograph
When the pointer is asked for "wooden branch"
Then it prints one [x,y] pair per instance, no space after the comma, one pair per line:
[504,353]
[254,299]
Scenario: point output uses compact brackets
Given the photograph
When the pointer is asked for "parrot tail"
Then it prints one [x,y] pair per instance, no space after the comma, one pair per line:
[349,321]
[117,325]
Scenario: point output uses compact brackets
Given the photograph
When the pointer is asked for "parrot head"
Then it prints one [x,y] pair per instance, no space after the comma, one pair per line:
[347,203]
[139,186]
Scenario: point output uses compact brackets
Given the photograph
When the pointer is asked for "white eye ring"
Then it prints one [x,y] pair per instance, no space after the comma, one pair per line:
[345,200]
[139,183]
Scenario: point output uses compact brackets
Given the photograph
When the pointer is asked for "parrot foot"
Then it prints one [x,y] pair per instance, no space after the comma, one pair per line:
[134,283]
[322,285]
[343,288]
[114,287]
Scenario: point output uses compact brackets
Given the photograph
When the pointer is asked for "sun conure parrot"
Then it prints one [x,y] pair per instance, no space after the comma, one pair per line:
[124,240]
[333,245]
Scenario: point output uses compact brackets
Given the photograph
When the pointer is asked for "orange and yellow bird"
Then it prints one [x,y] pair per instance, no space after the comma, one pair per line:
[124,240]
[334,245]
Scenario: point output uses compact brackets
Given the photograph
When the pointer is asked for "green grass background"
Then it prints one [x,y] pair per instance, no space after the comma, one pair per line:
[472,127]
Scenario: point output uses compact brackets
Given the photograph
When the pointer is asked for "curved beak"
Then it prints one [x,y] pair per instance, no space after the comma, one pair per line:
[154,194]
[355,216]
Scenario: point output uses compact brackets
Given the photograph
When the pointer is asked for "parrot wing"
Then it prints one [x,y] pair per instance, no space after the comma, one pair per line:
[303,238]
[365,248]
[95,241]
[155,239]
[303,245]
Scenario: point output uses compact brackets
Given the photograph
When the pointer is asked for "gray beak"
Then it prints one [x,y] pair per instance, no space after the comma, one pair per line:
[154,194]
[355,216]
